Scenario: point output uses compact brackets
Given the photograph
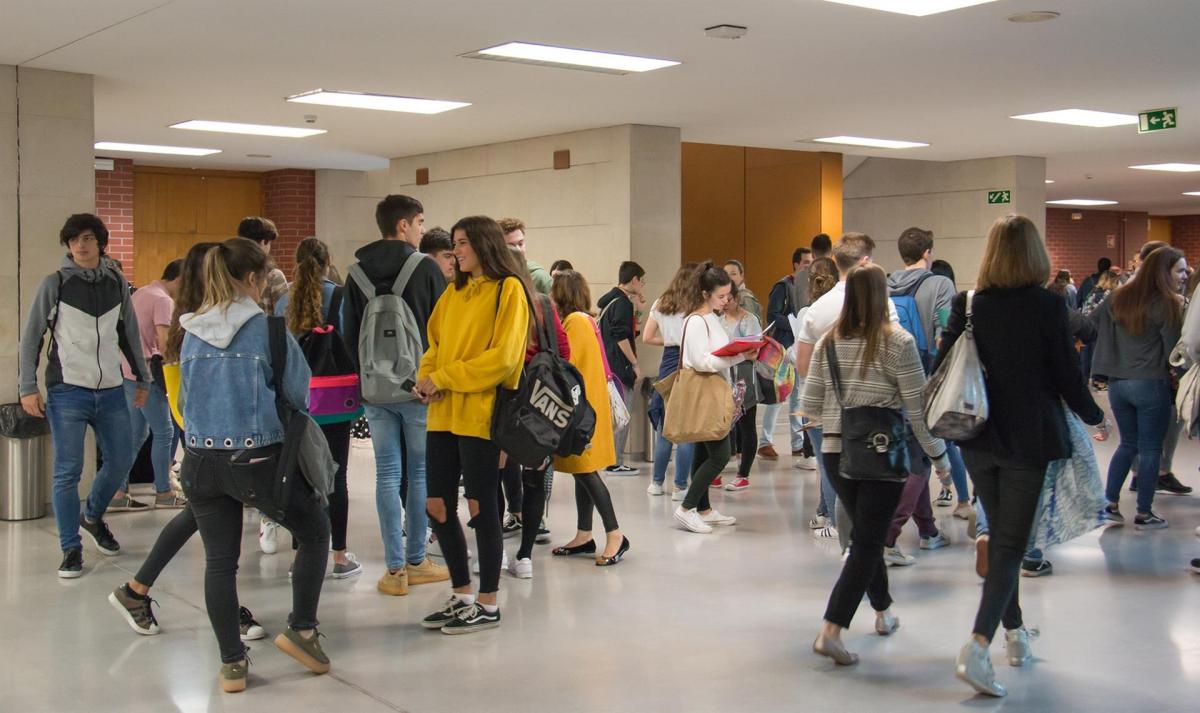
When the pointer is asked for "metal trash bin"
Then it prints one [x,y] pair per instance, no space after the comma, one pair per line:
[24,464]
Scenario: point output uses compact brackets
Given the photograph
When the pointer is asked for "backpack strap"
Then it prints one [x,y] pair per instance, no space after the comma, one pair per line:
[364,283]
[406,272]
[335,308]
[277,341]
[289,458]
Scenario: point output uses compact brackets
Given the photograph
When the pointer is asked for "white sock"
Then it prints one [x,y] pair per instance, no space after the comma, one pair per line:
[467,599]
[490,608]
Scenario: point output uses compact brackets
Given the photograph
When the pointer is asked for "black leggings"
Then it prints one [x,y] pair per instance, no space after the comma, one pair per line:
[217,487]
[871,504]
[590,490]
[338,437]
[170,540]
[711,457]
[478,461]
[534,495]
[745,437]
[510,488]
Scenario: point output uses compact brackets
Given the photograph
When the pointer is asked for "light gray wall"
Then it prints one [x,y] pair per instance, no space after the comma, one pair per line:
[883,197]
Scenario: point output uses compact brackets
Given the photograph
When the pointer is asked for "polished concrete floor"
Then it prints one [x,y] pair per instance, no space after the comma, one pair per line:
[686,623]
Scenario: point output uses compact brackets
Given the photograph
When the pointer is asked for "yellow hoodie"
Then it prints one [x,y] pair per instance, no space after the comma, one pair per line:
[473,348]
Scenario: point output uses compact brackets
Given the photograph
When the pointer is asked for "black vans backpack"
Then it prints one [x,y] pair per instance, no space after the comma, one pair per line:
[548,411]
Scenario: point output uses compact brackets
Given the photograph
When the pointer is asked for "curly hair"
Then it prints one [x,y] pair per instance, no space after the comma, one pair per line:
[303,310]
[188,297]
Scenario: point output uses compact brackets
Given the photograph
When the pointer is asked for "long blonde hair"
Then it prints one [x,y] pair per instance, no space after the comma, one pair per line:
[865,311]
[226,264]
[303,311]
[1015,255]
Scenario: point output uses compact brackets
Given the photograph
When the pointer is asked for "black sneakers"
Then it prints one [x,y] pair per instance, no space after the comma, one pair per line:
[446,614]
[1168,483]
[1149,521]
[1113,514]
[72,563]
[135,610]
[471,619]
[102,537]
[250,629]
[1196,565]
[1036,568]
[511,525]
[543,534]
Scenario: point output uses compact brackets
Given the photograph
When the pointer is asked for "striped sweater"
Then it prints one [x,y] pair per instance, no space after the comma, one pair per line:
[894,379]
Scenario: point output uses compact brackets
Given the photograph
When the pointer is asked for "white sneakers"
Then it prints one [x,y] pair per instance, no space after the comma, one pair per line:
[805,463]
[1016,644]
[522,568]
[268,536]
[503,564]
[935,542]
[679,495]
[691,520]
[655,489]
[716,519]
[974,667]
[896,557]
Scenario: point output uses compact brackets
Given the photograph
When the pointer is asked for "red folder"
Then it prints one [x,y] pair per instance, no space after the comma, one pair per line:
[740,345]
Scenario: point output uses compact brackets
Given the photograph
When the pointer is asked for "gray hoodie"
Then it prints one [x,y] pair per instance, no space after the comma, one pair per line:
[933,298]
[92,324]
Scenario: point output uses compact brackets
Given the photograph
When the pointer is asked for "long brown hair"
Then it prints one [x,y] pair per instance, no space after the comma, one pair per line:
[1015,255]
[672,301]
[708,278]
[494,256]
[865,312]
[1133,302]
[571,293]
[822,277]
[303,310]
[229,262]
[187,298]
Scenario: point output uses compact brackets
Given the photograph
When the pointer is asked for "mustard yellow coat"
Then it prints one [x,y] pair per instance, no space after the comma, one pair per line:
[587,356]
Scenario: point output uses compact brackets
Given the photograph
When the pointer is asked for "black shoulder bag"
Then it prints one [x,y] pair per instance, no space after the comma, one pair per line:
[873,440]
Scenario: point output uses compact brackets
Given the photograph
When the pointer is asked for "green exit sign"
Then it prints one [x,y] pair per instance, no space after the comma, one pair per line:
[1157,120]
[999,197]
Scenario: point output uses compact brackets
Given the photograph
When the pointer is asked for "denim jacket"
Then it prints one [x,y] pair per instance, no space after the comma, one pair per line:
[226,395]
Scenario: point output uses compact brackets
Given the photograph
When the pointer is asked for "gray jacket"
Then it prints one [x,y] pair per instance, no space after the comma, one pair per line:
[933,297]
[1120,354]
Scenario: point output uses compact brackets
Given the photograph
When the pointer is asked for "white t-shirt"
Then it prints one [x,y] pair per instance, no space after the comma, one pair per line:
[670,326]
[824,313]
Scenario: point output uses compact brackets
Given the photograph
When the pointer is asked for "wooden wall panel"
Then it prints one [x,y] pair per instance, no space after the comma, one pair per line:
[783,211]
[714,202]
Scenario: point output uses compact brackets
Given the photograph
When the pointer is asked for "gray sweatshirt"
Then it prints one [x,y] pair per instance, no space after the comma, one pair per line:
[933,297]
[92,324]
[1119,354]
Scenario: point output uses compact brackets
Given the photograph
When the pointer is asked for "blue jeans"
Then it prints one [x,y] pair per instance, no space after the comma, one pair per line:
[390,423]
[958,472]
[155,416]
[826,505]
[771,416]
[70,410]
[1142,409]
[684,453]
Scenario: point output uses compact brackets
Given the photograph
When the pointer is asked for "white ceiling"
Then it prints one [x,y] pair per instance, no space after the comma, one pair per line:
[806,69]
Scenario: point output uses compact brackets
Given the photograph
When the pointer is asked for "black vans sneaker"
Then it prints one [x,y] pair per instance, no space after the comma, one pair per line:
[446,614]
[1168,483]
[72,564]
[1036,568]
[102,537]
[1113,514]
[472,619]
[1149,521]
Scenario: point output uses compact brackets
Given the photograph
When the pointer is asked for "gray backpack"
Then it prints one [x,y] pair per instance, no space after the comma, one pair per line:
[389,341]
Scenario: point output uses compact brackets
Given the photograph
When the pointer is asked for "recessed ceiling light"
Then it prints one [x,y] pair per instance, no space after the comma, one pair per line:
[1173,167]
[152,148]
[1192,193]
[1081,117]
[916,8]
[551,56]
[380,102]
[1081,202]
[231,127]
[1033,16]
[873,143]
[1049,180]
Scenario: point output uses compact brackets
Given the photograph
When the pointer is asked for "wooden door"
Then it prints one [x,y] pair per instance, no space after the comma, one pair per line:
[173,209]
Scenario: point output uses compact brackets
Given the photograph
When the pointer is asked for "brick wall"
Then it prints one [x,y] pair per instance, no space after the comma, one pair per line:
[1076,245]
[1185,235]
[290,199]
[114,205]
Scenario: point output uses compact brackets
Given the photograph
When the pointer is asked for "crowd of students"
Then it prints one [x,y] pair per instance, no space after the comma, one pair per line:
[260,380]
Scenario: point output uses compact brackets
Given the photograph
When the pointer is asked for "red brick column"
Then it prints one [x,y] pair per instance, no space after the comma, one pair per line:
[1185,235]
[114,205]
[290,199]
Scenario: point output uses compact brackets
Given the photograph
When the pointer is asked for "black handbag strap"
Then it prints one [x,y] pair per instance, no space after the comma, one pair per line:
[835,369]
[289,457]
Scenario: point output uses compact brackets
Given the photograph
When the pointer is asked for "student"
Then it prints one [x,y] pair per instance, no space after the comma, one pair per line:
[1103,265]
[618,327]
[788,296]
[436,244]
[560,266]
[573,299]
[1032,368]
[86,308]
[397,429]
[264,232]
[477,339]
[153,305]
[309,305]
[703,335]
[514,235]
[823,277]
[132,599]
[1137,326]
[943,268]
[233,444]
[664,328]
[739,323]
[877,365]
[746,298]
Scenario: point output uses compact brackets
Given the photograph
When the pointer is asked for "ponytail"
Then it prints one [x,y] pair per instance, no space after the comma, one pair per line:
[225,265]
[708,278]
[304,303]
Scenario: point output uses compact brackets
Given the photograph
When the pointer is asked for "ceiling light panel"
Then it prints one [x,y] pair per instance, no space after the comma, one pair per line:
[873,143]
[1081,202]
[230,127]
[566,57]
[1172,167]
[153,148]
[1081,117]
[378,102]
[916,8]
[1049,180]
